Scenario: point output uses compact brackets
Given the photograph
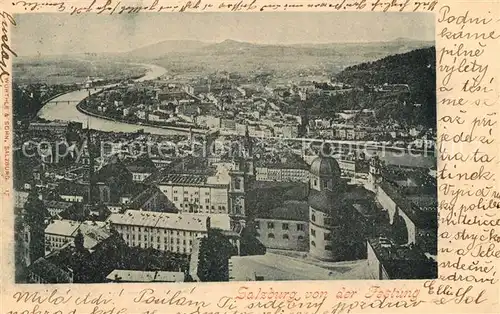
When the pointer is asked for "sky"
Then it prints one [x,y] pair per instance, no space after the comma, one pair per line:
[56,33]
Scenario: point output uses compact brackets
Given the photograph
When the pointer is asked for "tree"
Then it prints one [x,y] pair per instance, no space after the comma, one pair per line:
[215,251]
[79,241]
[416,69]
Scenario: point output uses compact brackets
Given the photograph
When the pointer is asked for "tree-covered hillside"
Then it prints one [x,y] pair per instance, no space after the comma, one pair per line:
[416,68]
[408,106]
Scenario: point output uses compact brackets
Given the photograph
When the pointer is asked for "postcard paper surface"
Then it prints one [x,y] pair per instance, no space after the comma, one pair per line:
[258,157]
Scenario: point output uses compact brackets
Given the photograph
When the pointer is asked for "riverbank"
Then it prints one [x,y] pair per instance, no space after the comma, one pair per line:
[64,108]
[82,110]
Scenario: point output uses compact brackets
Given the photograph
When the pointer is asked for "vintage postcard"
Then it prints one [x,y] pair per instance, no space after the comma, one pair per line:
[247,157]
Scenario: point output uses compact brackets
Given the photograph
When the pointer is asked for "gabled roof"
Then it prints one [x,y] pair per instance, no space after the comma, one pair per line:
[185,221]
[93,234]
[140,199]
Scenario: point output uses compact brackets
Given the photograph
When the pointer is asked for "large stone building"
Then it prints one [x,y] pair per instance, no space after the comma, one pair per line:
[201,186]
[165,231]
[285,227]
[287,167]
[62,232]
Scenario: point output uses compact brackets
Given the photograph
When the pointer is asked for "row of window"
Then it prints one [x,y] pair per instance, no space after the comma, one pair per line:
[284,226]
[192,209]
[146,230]
[195,193]
[145,238]
[285,236]
[177,249]
[196,206]
[55,238]
[327,247]
[274,170]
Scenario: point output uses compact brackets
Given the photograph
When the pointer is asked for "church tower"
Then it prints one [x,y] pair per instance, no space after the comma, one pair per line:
[327,212]
[236,195]
[375,173]
[249,157]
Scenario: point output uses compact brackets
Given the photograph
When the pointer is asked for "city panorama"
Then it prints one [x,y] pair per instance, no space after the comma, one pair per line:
[224,147]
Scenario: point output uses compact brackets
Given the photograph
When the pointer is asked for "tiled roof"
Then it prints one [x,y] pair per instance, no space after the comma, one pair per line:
[180,169]
[144,196]
[187,179]
[185,221]
[289,161]
[290,210]
[93,235]
[63,227]
[145,276]
[263,196]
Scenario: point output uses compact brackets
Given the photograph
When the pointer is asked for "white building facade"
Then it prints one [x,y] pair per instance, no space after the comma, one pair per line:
[165,231]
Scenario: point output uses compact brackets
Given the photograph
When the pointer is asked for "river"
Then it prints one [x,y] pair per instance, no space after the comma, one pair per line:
[60,109]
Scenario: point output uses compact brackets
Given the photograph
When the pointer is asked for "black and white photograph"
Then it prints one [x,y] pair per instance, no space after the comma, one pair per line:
[214,147]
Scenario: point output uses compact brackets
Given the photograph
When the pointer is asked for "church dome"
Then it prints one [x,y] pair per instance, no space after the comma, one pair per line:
[325,167]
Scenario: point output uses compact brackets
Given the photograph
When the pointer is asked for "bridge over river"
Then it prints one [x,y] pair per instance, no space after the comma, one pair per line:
[64,108]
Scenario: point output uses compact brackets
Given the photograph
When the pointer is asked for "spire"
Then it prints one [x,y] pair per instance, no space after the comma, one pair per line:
[248,142]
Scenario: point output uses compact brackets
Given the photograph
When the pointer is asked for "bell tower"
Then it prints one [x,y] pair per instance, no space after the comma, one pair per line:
[375,173]
[249,158]
[236,194]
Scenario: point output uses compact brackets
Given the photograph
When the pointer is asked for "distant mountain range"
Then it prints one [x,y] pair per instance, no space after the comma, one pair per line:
[201,58]
[229,46]
[180,56]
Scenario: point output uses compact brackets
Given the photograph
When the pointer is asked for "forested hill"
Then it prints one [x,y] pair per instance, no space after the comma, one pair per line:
[416,68]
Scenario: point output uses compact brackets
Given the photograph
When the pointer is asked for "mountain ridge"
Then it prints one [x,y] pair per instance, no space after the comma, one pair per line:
[231,45]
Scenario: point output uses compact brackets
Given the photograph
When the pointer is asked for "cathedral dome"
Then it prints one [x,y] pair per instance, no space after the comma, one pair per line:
[325,167]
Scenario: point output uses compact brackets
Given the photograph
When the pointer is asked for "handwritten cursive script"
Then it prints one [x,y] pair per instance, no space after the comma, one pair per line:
[7,51]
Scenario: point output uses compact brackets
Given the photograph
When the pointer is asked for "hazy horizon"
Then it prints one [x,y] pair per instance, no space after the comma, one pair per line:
[115,34]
